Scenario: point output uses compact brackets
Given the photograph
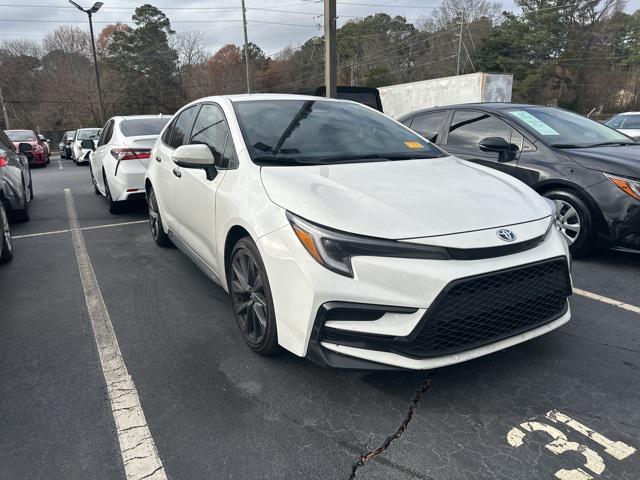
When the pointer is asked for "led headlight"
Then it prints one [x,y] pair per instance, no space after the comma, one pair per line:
[627,185]
[334,249]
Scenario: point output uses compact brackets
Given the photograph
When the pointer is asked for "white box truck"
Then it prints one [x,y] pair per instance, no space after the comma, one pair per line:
[475,87]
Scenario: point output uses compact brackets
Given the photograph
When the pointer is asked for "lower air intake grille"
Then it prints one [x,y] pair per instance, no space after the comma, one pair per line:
[479,310]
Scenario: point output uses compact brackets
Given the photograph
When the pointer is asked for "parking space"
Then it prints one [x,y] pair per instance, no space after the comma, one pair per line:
[216,410]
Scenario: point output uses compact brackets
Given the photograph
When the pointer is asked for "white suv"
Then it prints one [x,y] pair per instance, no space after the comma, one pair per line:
[119,162]
[345,237]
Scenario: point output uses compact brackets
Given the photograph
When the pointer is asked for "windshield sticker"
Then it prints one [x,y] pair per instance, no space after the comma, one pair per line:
[414,145]
[538,125]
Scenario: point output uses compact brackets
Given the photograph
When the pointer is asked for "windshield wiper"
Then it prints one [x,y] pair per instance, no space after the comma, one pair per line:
[566,145]
[603,144]
[268,160]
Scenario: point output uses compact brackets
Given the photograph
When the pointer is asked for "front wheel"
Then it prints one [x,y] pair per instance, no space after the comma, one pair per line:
[6,247]
[574,220]
[251,298]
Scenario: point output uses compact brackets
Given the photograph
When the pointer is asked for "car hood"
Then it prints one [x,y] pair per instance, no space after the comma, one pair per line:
[619,160]
[404,199]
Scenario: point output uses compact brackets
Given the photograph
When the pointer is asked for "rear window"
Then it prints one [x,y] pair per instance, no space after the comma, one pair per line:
[89,134]
[20,135]
[71,134]
[143,126]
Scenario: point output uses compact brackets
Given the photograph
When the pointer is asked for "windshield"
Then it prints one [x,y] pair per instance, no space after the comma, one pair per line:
[70,134]
[561,128]
[89,134]
[316,131]
[21,135]
[143,126]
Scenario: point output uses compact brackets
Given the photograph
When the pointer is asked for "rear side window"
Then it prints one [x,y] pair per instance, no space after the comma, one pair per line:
[5,142]
[143,126]
[429,124]
[106,133]
[182,128]
[469,127]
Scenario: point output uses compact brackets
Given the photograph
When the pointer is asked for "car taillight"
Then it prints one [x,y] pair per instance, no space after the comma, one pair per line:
[130,153]
[4,160]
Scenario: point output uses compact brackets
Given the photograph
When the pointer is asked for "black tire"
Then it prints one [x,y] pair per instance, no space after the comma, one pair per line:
[582,242]
[251,298]
[31,187]
[93,181]
[114,207]
[22,215]
[155,221]
[6,245]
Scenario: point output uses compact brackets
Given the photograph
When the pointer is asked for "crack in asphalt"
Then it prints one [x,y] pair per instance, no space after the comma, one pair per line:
[369,454]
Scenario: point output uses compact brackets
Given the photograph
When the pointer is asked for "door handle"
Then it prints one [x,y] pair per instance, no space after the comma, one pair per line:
[158,159]
[177,172]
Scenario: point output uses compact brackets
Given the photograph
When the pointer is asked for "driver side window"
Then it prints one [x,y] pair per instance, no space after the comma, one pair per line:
[211,129]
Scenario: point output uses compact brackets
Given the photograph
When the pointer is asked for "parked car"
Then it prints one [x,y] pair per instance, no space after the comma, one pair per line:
[344,237]
[31,146]
[65,144]
[627,123]
[46,145]
[6,245]
[120,160]
[589,170]
[79,152]
[16,185]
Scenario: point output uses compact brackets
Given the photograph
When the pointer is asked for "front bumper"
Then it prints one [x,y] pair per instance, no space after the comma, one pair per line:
[621,214]
[36,158]
[301,288]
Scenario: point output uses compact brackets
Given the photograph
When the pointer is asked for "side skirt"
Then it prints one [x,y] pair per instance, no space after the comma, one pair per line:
[193,256]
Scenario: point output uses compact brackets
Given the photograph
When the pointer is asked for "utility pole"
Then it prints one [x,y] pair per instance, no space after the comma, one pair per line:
[460,43]
[330,50]
[4,111]
[246,46]
[90,12]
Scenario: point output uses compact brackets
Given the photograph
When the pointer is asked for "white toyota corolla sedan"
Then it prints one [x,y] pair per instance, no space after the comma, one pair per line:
[344,237]
[119,162]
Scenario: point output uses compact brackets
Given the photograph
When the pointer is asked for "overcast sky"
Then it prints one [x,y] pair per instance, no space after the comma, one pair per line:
[220,21]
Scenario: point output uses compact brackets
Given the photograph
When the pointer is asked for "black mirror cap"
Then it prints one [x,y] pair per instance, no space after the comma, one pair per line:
[24,147]
[494,144]
[88,144]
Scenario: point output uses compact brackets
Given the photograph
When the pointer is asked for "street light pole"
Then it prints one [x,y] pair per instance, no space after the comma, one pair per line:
[90,12]
[330,53]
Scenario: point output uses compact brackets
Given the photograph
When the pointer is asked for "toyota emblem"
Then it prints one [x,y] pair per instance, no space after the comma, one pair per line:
[506,235]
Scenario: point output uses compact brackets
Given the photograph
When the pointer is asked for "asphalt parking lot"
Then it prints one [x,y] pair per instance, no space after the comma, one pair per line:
[565,405]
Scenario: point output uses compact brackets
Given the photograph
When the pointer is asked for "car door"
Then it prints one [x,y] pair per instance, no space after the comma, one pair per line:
[194,194]
[96,159]
[469,127]
[167,172]
[429,124]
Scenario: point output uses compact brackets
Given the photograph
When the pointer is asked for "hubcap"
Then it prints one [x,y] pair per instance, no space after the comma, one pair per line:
[153,215]
[6,234]
[248,296]
[567,220]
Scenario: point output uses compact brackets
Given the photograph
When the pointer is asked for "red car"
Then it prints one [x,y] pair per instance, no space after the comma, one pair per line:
[37,154]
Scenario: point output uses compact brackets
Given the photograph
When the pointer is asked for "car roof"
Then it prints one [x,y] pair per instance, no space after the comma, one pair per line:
[248,97]
[88,128]
[629,113]
[141,117]
[481,105]
[19,130]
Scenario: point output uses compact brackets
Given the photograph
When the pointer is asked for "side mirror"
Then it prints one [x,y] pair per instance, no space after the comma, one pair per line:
[24,147]
[195,156]
[88,144]
[494,144]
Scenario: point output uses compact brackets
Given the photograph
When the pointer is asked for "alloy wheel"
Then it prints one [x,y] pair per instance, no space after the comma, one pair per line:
[153,214]
[248,296]
[6,233]
[567,220]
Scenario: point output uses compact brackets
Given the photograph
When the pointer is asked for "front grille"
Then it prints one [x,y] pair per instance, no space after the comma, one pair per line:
[479,310]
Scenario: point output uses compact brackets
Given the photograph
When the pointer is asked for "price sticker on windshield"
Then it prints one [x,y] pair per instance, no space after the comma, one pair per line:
[535,123]
[414,145]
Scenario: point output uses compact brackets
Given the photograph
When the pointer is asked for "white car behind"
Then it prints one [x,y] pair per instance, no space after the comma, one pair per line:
[346,238]
[119,162]
[627,123]
[80,154]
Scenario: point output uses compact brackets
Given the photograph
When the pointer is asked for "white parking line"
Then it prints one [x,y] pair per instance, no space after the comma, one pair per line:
[59,163]
[139,453]
[607,300]
[54,232]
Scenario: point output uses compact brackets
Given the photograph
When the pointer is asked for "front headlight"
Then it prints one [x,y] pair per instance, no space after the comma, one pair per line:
[627,185]
[334,249]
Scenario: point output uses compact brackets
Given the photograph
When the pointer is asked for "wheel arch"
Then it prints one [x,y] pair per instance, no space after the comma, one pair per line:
[580,192]
[235,233]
